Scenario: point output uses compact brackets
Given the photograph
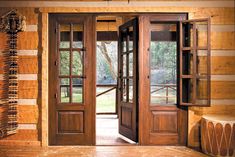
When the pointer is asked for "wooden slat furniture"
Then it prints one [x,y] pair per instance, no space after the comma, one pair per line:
[218,135]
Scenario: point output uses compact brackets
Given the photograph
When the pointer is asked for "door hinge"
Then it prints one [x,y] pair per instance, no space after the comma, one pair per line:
[55,63]
[56,95]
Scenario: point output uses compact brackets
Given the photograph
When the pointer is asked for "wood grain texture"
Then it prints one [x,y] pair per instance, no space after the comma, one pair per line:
[101,151]
[222,40]
[220,65]
[28,89]
[23,135]
[220,15]
[223,65]
[223,90]
[29,13]
[27,41]
[27,64]
[195,114]
[28,114]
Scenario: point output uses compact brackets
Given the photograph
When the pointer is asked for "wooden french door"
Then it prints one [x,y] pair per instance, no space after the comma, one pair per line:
[127,79]
[72,79]
[162,120]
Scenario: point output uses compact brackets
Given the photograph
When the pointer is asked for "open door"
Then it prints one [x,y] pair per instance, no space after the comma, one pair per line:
[127,80]
[72,80]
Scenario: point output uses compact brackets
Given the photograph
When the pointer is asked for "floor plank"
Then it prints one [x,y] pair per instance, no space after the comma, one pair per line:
[99,151]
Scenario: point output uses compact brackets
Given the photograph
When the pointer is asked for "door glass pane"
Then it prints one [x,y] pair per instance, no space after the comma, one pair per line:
[130,90]
[124,45]
[124,90]
[163,65]
[77,36]
[130,64]
[77,90]
[124,65]
[64,36]
[77,64]
[64,90]
[130,39]
[64,62]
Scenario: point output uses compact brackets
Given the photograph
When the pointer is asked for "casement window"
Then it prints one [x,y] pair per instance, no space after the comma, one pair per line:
[195,62]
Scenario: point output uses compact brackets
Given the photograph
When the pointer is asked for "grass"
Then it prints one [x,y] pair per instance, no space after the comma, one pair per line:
[104,103]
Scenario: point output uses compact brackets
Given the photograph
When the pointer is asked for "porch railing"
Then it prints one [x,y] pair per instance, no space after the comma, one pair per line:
[162,87]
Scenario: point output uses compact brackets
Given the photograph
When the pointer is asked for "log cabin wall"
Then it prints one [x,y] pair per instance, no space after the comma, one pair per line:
[32,114]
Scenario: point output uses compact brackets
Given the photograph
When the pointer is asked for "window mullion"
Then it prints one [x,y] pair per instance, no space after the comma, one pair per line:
[194,64]
[70,62]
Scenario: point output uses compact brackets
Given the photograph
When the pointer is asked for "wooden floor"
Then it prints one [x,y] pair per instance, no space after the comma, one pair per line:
[99,151]
[107,131]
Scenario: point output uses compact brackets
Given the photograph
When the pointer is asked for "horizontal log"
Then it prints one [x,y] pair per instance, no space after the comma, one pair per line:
[27,65]
[3,41]
[223,65]
[26,90]
[222,90]
[29,13]
[23,135]
[219,40]
[26,41]
[220,65]
[28,114]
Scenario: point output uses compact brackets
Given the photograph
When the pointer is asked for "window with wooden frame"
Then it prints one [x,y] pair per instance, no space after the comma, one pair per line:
[195,62]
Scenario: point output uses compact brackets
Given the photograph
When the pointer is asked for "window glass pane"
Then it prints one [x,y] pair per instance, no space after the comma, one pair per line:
[201,34]
[202,62]
[64,90]
[124,65]
[187,88]
[64,62]
[163,65]
[77,36]
[187,35]
[130,90]
[124,90]
[77,64]
[187,63]
[64,36]
[202,91]
[77,90]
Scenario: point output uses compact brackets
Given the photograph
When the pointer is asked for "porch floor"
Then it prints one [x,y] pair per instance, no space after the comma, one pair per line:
[107,131]
[99,151]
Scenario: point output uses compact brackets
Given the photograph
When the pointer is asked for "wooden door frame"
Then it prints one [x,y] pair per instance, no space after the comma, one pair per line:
[43,98]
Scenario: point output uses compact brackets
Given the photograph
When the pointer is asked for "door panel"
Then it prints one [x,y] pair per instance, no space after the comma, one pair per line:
[162,121]
[72,80]
[127,97]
